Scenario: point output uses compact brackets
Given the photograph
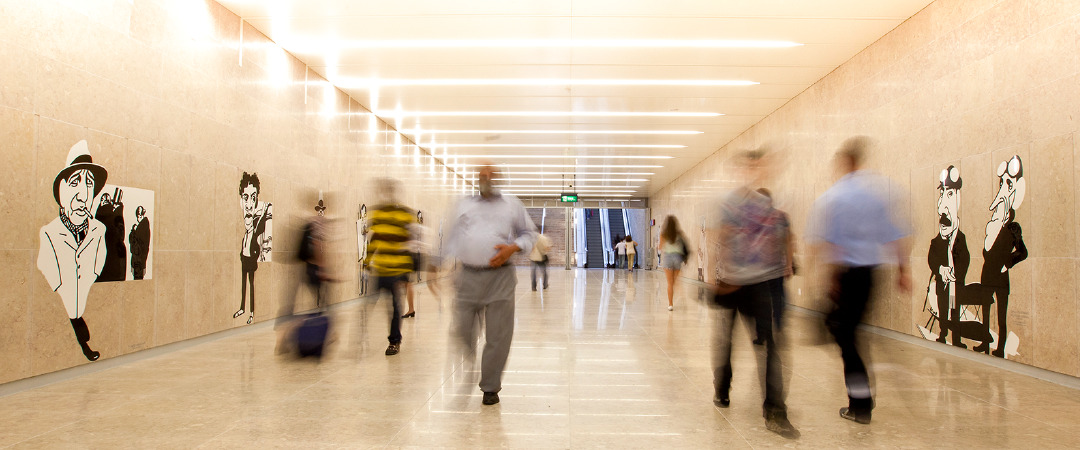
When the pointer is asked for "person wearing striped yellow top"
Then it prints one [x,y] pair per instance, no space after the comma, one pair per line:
[389,254]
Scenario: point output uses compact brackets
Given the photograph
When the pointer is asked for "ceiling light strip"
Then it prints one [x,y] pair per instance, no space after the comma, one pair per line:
[395,114]
[558,132]
[346,82]
[324,45]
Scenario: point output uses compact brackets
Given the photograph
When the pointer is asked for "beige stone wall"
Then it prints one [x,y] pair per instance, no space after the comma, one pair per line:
[967,83]
[158,90]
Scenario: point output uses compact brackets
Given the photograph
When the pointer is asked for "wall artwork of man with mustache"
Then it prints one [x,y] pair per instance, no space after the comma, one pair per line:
[72,248]
[257,243]
[948,256]
[963,311]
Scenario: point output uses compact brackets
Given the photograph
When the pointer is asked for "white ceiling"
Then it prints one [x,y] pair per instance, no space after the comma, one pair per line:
[349,43]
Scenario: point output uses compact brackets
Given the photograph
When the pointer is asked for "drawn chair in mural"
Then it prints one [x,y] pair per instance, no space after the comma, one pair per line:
[973,301]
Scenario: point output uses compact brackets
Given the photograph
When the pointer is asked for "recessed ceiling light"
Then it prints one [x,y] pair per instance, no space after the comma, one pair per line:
[560,132]
[467,173]
[323,45]
[595,166]
[568,146]
[346,82]
[568,156]
[576,186]
[396,113]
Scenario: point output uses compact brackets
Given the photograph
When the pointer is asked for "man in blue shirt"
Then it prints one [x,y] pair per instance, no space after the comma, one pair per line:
[856,229]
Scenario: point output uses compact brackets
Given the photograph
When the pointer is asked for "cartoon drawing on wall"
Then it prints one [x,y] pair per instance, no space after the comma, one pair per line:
[139,243]
[257,243]
[110,212]
[1004,246]
[72,251]
[701,253]
[361,244]
[964,310]
[416,248]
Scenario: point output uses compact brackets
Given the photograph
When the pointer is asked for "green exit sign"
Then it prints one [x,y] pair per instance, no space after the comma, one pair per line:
[569,197]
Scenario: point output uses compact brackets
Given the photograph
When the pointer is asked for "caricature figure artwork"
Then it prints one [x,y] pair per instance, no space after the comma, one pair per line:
[1004,246]
[110,212]
[256,244]
[73,251]
[948,258]
[701,253]
[419,225]
[964,310]
[361,243]
[139,243]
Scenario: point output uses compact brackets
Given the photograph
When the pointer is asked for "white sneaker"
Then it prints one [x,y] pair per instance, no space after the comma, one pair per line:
[669,308]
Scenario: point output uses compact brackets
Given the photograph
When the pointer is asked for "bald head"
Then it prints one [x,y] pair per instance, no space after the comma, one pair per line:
[852,153]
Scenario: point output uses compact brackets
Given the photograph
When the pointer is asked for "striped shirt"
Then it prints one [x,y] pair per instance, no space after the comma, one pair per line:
[388,250]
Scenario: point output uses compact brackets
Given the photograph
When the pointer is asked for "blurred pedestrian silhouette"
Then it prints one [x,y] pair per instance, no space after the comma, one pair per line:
[485,231]
[856,230]
[750,255]
[388,252]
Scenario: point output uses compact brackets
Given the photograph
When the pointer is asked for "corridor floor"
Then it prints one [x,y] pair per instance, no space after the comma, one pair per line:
[597,362]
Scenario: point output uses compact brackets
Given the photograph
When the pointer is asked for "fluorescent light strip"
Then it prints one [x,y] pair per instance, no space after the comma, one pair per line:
[534,186]
[396,114]
[592,166]
[344,82]
[472,174]
[535,43]
[559,132]
[582,197]
[568,156]
[571,180]
[567,145]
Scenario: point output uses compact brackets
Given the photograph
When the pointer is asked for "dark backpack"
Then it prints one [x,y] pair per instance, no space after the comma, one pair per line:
[306,249]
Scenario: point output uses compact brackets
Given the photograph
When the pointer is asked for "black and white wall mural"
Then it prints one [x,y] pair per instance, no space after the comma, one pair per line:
[256,245]
[959,310]
[127,214]
[89,240]
[361,244]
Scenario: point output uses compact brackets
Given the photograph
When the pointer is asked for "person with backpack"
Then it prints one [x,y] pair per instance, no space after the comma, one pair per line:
[675,251]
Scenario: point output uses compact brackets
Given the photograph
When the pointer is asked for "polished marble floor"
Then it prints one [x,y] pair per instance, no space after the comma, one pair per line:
[597,362]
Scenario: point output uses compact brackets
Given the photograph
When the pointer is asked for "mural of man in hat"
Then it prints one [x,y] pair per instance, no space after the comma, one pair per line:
[73,251]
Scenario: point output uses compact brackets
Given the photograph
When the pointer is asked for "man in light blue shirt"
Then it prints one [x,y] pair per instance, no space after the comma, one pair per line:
[858,230]
[485,231]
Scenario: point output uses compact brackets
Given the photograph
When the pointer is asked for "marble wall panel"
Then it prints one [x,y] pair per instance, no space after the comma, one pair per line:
[15,300]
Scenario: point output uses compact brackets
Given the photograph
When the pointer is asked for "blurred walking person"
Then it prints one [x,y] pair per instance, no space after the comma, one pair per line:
[631,251]
[388,253]
[620,253]
[856,229]
[776,285]
[675,251]
[485,231]
[750,255]
[539,258]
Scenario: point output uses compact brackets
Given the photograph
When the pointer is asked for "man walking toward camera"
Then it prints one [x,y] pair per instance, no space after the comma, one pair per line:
[485,231]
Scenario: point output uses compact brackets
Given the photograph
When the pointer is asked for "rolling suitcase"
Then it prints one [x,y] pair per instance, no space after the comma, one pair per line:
[311,335]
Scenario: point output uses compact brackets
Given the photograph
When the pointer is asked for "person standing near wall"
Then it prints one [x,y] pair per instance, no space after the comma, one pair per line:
[675,250]
[853,225]
[388,253]
[485,231]
[539,257]
[631,251]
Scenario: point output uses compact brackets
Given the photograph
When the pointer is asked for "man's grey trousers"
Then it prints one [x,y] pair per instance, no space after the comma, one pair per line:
[488,294]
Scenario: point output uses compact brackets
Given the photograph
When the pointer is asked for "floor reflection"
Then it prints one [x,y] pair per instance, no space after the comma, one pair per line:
[574,380]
